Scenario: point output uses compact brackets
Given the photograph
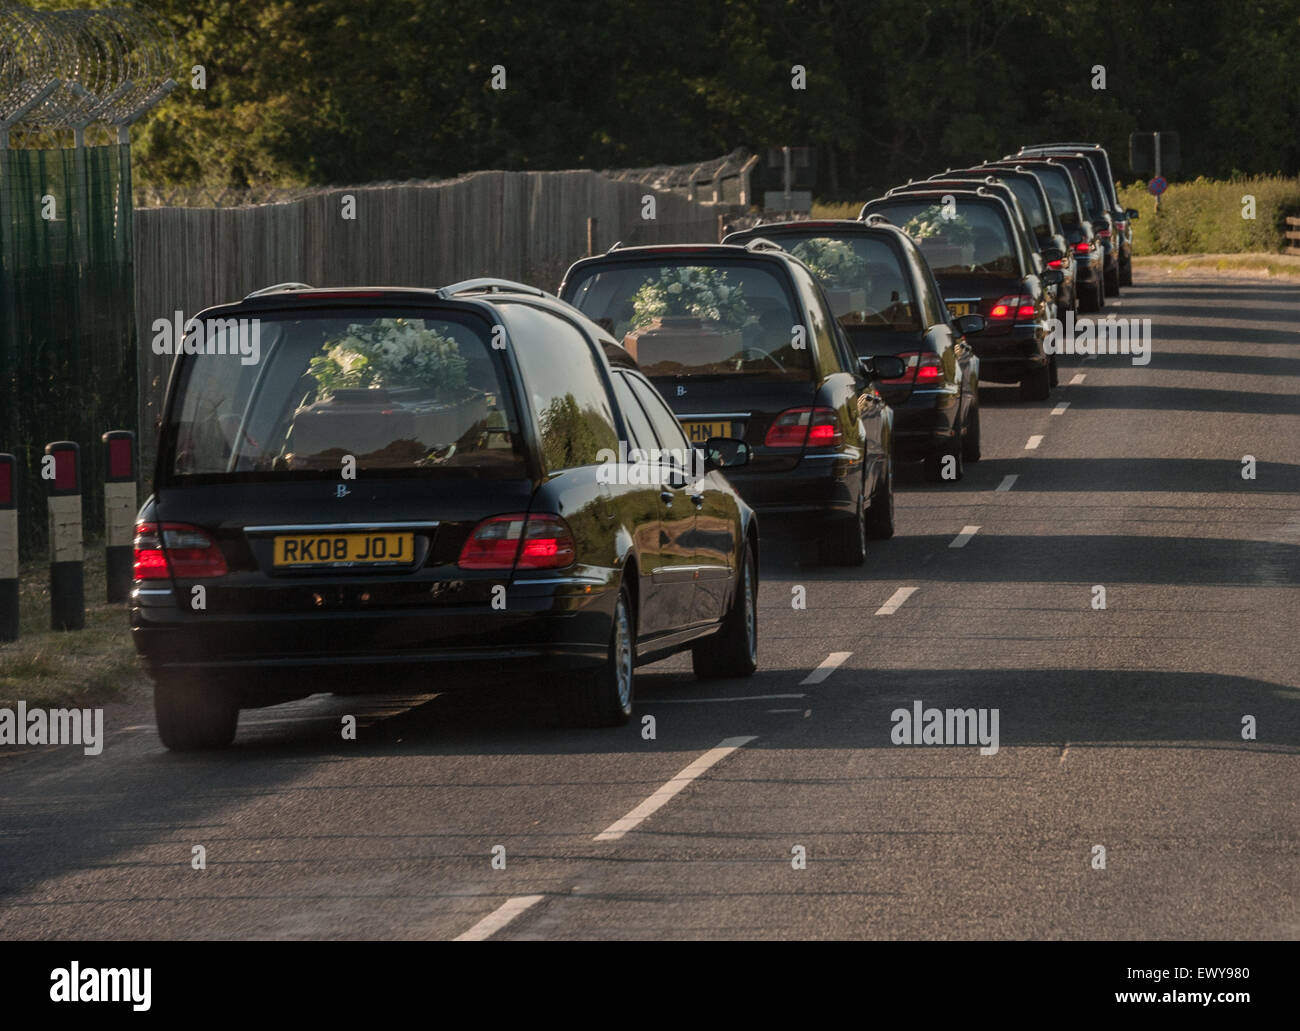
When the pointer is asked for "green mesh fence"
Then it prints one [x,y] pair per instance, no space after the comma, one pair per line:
[67,353]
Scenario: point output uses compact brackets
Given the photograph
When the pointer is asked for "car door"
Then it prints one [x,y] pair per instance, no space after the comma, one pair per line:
[963,364]
[675,573]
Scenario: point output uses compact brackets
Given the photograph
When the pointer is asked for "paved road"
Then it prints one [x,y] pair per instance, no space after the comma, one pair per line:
[1119,728]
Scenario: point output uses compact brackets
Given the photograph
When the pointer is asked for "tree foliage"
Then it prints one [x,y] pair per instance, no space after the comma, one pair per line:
[308,92]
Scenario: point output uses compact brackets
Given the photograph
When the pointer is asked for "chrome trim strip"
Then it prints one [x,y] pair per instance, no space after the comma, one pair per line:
[149,590]
[577,580]
[339,527]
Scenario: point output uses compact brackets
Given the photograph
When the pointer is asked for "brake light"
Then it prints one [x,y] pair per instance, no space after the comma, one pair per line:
[929,369]
[1104,233]
[176,549]
[1082,247]
[1057,263]
[519,541]
[1017,306]
[817,427]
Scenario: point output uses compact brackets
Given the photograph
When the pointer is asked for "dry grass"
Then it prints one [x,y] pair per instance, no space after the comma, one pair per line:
[48,668]
[1285,267]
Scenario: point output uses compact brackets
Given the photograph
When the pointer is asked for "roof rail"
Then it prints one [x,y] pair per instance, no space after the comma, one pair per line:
[760,243]
[614,246]
[493,286]
[278,288]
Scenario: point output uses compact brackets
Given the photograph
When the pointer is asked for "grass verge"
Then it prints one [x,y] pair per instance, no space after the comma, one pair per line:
[54,669]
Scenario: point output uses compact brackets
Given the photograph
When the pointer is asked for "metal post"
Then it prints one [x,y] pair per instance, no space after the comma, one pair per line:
[67,575]
[591,237]
[787,181]
[8,548]
[119,511]
[1155,136]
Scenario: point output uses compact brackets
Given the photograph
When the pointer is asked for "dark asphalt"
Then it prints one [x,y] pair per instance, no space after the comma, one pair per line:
[1118,728]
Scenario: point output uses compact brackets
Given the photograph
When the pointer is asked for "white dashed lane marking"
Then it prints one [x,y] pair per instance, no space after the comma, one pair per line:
[963,538]
[895,601]
[498,918]
[1007,482]
[828,666]
[1034,441]
[665,794]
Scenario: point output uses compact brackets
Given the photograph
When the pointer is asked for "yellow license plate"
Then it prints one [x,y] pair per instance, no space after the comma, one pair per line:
[344,549]
[699,432]
[960,308]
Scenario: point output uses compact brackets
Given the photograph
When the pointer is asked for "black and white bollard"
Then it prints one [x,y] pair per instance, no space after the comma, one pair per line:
[8,548]
[61,469]
[119,511]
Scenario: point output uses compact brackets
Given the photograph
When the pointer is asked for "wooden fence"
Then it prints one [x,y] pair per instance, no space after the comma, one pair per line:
[525,226]
[1292,235]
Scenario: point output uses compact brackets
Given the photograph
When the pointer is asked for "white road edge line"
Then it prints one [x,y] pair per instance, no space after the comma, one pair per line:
[696,701]
[498,918]
[665,794]
[1007,481]
[963,538]
[1033,442]
[895,601]
[829,665]
[1078,378]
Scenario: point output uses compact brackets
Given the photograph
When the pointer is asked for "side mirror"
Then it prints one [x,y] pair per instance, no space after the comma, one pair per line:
[725,453]
[1132,214]
[1053,277]
[1051,254]
[970,324]
[882,366]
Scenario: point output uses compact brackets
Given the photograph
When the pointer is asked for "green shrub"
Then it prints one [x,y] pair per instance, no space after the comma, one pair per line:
[1204,216]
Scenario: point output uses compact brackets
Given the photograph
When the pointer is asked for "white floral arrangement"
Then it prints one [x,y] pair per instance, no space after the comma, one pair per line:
[390,353]
[834,262]
[692,291]
[932,224]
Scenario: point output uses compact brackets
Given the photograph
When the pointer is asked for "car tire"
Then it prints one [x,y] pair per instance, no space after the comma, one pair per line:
[603,697]
[846,543]
[193,713]
[1101,297]
[1111,283]
[1055,376]
[1037,386]
[1126,274]
[880,514]
[970,445]
[733,650]
[1087,301]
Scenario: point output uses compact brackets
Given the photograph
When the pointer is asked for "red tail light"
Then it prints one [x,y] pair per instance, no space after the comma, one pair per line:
[177,549]
[922,367]
[1055,264]
[817,427]
[1082,247]
[519,541]
[930,369]
[1104,233]
[1016,306]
